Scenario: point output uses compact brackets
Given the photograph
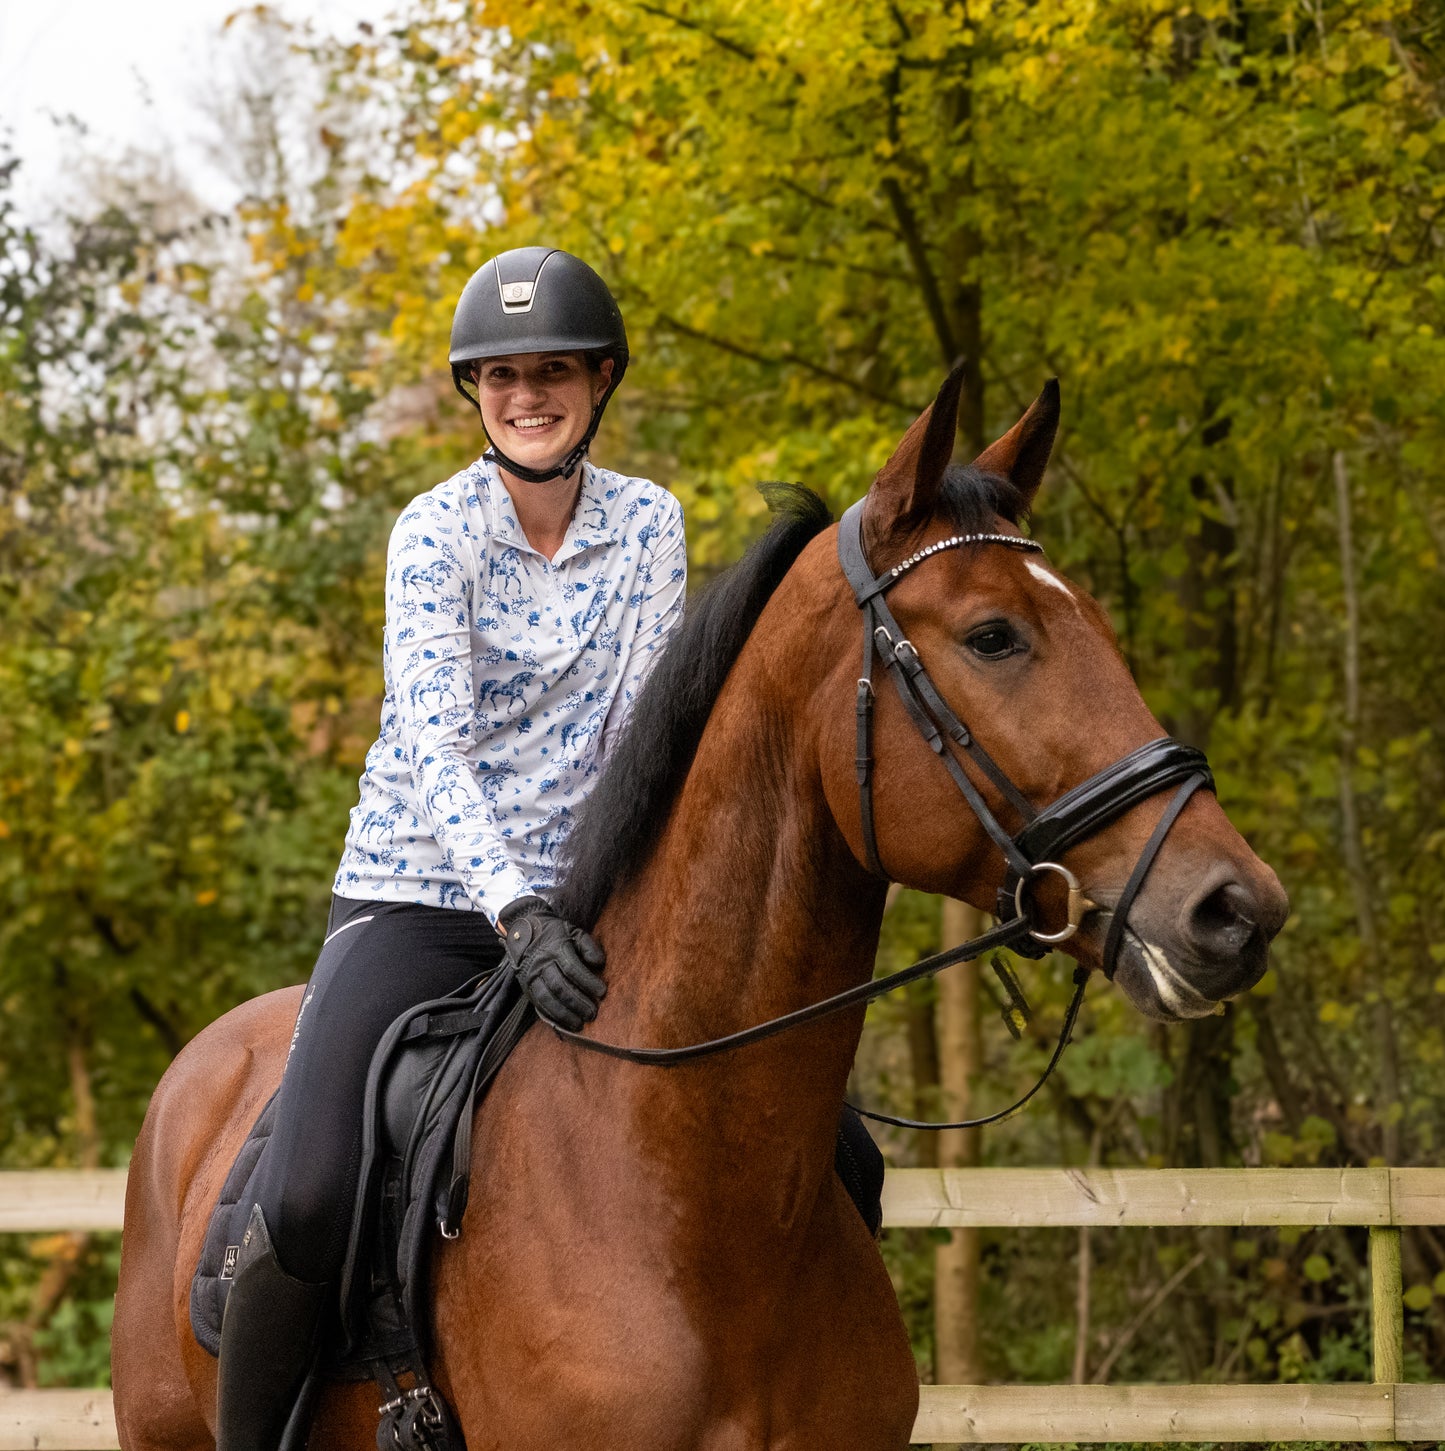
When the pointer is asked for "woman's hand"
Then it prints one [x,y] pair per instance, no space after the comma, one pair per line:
[556,963]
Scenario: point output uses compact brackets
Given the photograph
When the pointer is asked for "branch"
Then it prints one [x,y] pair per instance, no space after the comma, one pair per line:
[768,360]
[868,224]
[918,254]
[1160,1295]
[105,930]
[827,263]
[721,40]
[912,235]
[170,1035]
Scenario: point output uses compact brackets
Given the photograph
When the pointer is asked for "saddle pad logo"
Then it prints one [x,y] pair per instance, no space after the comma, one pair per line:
[228,1265]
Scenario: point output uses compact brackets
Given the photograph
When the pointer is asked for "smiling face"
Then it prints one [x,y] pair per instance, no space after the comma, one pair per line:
[536,406]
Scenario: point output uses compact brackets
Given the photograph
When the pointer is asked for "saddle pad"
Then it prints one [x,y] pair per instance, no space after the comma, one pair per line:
[217,1265]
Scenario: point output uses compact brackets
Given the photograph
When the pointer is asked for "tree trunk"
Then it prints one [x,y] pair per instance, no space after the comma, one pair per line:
[1388,1100]
[1209,596]
[64,1251]
[923,1061]
[956,1263]
[957,1357]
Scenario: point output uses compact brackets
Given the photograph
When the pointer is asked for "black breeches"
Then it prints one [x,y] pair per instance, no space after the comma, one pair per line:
[379,959]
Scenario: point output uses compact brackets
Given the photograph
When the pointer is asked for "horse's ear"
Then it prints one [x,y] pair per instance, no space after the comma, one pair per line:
[904,493]
[1022,454]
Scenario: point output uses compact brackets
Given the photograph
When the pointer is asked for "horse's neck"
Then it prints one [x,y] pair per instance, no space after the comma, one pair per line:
[752,905]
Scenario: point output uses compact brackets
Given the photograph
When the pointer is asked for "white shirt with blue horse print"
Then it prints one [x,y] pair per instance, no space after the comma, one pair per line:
[508,676]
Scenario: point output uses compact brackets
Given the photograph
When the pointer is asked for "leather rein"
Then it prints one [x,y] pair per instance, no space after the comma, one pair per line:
[1030,853]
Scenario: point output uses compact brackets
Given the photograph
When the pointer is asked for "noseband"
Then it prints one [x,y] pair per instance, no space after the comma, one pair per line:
[1032,851]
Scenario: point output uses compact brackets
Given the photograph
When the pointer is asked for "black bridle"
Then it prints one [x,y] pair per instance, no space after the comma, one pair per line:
[1043,836]
[1030,852]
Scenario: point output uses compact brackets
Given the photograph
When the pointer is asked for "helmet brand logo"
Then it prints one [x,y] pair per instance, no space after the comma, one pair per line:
[516,292]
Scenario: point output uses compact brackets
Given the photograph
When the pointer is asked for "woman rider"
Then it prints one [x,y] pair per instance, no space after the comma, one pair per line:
[526,599]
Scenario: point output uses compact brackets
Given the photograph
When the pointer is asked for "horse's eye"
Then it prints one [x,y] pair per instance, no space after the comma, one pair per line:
[993,642]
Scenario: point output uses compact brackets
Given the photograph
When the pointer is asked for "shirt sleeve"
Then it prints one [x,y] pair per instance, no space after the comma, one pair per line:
[430,567]
[661,584]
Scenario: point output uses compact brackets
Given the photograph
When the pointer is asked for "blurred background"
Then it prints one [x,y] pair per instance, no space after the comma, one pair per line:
[230,243]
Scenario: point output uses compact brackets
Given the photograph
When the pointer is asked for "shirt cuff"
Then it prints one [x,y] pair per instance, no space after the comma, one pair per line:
[500,889]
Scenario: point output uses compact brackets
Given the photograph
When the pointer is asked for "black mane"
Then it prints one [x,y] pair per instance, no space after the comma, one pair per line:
[617,826]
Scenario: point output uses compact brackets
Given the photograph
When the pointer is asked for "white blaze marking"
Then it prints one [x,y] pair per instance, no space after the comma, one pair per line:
[1047,576]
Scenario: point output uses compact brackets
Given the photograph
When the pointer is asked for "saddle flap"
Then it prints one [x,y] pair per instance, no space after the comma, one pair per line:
[211,1282]
[420,1084]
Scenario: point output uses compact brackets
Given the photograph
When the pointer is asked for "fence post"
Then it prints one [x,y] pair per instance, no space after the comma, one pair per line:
[1387,1299]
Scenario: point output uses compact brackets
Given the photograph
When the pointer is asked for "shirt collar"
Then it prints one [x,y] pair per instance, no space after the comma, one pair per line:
[594,519]
[593,522]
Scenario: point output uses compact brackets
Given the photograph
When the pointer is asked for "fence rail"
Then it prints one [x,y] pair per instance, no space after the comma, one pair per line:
[1381,1199]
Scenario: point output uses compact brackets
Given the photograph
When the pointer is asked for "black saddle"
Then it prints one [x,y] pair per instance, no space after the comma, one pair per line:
[431,1069]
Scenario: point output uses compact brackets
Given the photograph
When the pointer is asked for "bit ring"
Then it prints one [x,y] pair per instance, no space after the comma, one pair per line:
[1079,904]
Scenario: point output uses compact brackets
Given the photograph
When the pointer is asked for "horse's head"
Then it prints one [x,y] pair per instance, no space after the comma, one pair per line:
[1028,662]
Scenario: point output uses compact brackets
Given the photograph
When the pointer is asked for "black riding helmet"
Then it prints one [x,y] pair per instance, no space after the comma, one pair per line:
[537,300]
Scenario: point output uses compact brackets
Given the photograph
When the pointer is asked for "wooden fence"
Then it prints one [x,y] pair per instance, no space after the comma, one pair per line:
[1382,1199]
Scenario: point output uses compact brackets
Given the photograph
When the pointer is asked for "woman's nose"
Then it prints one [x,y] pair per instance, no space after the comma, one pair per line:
[529,391]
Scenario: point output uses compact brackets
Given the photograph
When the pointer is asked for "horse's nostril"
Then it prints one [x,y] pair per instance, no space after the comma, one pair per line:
[1222,922]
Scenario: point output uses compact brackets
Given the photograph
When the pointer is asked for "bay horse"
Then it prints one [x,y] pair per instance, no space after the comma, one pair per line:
[655,1259]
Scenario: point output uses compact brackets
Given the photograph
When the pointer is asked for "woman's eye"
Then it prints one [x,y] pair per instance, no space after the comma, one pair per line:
[992,642]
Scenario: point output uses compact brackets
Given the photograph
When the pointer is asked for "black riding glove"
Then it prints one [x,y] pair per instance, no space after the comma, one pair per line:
[556,963]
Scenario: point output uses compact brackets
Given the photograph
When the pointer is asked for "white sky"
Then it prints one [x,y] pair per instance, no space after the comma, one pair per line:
[130,71]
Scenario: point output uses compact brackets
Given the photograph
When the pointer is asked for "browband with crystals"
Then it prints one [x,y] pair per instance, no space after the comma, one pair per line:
[890,577]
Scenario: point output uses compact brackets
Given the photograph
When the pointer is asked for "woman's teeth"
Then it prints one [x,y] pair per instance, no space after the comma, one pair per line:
[539,422]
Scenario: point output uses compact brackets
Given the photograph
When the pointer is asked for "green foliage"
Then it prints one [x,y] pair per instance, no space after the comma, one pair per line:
[1111,1068]
[73,1347]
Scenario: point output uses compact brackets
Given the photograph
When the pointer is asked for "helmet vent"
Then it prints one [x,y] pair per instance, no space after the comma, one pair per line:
[517,296]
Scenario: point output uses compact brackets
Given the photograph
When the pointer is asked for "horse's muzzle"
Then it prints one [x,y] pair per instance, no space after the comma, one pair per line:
[1215,947]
